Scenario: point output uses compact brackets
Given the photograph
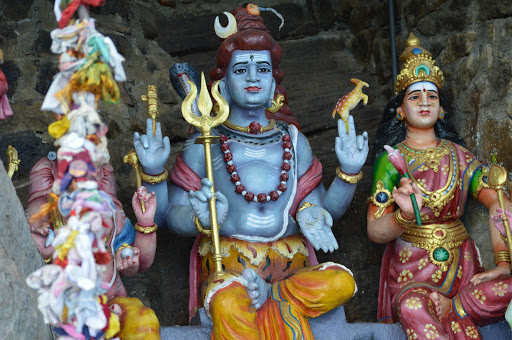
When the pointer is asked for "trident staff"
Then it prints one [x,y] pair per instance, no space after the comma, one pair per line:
[205,123]
[152,99]
[496,179]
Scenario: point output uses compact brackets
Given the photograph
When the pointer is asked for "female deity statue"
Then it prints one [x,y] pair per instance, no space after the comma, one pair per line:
[271,204]
[431,280]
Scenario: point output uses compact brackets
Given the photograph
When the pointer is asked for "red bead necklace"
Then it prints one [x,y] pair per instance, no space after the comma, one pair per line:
[235,178]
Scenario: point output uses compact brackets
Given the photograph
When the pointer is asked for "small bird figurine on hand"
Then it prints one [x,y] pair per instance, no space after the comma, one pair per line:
[350,100]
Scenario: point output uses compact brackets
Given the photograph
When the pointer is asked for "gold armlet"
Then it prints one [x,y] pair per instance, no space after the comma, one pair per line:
[502,256]
[382,199]
[199,226]
[352,179]
[482,182]
[401,221]
[145,230]
[304,206]
[124,245]
[155,179]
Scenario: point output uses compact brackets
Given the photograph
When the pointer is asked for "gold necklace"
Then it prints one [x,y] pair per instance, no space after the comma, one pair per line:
[431,157]
[436,200]
[253,128]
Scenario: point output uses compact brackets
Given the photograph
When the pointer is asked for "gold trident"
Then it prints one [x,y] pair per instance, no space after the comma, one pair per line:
[205,123]
[152,99]
[496,179]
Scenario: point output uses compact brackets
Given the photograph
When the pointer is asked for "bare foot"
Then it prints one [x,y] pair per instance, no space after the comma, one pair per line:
[442,305]
[257,288]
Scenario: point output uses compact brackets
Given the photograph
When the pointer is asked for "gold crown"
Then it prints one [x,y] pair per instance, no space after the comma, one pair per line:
[418,66]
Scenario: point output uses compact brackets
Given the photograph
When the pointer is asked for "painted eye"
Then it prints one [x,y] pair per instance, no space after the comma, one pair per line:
[264,70]
[432,96]
[414,97]
[239,71]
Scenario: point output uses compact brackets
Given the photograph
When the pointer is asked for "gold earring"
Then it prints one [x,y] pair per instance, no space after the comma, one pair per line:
[277,104]
[399,116]
[442,114]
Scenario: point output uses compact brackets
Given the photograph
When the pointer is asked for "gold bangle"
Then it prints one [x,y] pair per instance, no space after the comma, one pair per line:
[145,230]
[401,221]
[48,260]
[304,206]
[352,179]
[502,256]
[154,179]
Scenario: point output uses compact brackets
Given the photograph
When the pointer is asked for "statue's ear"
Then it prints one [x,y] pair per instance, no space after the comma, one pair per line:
[223,87]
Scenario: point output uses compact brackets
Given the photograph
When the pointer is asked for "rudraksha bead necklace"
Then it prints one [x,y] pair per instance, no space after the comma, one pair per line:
[235,178]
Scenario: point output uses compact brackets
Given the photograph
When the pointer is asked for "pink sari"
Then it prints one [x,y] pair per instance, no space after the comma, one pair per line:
[439,255]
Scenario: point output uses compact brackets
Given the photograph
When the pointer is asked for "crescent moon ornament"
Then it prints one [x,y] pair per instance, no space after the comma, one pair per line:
[224,32]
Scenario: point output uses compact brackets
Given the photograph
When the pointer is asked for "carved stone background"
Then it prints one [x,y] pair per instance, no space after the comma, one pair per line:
[325,43]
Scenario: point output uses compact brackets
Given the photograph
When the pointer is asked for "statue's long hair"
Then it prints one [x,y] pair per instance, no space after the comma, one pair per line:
[391,131]
[253,35]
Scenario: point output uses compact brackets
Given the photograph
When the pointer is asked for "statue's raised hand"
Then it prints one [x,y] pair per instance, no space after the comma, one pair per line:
[351,150]
[146,218]
[152,151]
[200,203]
[315,223]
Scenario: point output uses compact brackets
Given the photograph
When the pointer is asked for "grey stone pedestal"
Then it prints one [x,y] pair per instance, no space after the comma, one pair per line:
[330,326]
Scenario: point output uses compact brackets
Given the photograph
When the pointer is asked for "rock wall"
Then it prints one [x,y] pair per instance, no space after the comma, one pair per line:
[325,43]
[19,258]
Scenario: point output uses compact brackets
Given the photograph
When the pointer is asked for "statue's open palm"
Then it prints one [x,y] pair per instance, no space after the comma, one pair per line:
[152,151]
[315,223]
[351,150]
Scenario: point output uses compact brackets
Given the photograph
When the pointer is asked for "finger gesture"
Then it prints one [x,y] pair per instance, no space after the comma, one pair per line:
[152,151]
[351,150]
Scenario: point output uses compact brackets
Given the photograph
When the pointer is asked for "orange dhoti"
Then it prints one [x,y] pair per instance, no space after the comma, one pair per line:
[298,292]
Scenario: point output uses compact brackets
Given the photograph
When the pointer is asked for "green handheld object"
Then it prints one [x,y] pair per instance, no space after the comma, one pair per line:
[414,205]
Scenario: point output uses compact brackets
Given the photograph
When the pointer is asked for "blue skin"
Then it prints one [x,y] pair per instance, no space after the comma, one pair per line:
[259,170]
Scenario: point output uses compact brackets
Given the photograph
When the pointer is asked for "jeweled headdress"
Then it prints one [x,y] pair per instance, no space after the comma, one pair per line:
[418,66]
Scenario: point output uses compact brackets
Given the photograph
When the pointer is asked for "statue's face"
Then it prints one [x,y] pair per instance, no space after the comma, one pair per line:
[249,79]
[421,105]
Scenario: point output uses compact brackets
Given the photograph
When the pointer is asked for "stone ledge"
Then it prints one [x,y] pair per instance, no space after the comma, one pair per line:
[330,326]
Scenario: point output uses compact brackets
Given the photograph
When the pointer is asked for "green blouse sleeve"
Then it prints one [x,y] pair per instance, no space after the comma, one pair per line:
[385,172]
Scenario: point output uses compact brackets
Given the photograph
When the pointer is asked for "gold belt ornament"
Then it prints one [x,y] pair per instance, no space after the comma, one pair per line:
[439,240]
